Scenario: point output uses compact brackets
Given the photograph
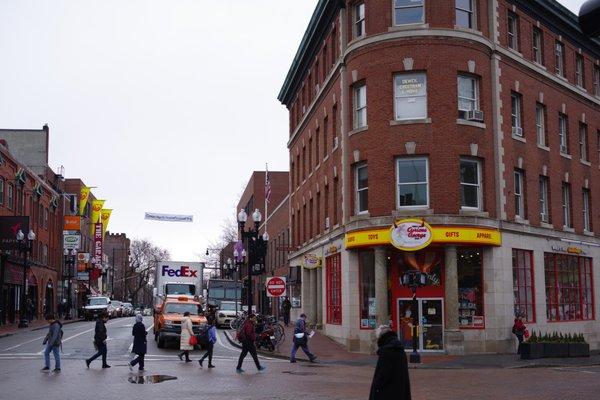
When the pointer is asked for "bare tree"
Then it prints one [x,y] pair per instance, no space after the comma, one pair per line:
[143,260]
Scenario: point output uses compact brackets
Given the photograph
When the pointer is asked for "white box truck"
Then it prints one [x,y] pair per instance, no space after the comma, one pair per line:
[177,279]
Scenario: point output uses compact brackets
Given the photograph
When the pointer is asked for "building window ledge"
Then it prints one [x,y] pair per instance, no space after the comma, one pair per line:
[517,52]
[335,148]
[360,216]
[585,162]
[540,65]
[357,39]
[562,78]
[469,30]
[317,167]
[546,225]
[519,138]
[473,213]
[403,212]
[581,88]
[541,146]
[588,233]
[410,121]
[521,220]
[408,27]
[565,155]
[470,123]
[358,130]
[568,229]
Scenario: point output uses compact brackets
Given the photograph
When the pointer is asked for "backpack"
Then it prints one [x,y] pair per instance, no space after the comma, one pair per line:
[203,335]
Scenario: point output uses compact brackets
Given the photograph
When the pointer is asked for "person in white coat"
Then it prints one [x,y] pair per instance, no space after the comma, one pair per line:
[186,334]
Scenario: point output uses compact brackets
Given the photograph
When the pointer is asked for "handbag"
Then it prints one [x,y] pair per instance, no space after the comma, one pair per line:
[193,340]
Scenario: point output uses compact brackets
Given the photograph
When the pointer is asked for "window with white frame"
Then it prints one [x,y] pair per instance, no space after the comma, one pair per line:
[465,14]
[513,31]
[543,195]
[468,95]
[470,184]
[537,43]
[596,80]
[409,12]
[361,183]
[579,71]
[583,143]
[519,193]
[587,226]
[559,58]
[359,20]
[566,204]
[516,118]
[360,106]
[562,133]
[412,177]
[540,124]
[410,96]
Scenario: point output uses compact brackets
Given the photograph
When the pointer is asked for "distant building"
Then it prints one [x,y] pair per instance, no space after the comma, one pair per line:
[120,277]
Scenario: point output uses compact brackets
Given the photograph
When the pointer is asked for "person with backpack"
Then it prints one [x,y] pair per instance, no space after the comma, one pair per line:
[100,337]
[247,336]
[208,337]
[518,330]
[139,343]
[301,340]
[53,342]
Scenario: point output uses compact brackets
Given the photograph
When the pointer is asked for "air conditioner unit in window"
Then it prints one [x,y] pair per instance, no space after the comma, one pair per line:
[517,131]
[335,142]
[326,222]
[475,115]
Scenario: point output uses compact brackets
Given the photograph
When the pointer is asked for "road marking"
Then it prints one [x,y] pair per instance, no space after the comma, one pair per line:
[21,344]
[81,333]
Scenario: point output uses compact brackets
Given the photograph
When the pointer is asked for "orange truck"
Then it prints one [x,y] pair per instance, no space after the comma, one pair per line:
[168,317]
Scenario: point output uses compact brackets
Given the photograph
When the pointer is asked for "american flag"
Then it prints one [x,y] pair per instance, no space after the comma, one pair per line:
[267,186]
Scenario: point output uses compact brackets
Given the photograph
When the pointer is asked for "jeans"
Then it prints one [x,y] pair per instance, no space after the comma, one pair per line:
[138,360]
[248,347]
[101,352]
[305,349]
[56,351]
[185,353]
[209,353]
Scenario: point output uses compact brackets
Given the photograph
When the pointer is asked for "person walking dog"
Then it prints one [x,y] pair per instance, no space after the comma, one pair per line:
[209,342]
[247,337]
[53,342]
[139,343]
[100,337]
[390,380]
[301,340]
[184,339]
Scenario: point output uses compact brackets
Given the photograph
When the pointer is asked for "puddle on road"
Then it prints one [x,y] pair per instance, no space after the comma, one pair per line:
[302,373]
[150,379]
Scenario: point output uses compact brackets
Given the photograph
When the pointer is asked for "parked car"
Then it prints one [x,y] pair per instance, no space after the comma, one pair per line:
[95,306]
[227,312]
[128,310]
[147,311]
[116,309]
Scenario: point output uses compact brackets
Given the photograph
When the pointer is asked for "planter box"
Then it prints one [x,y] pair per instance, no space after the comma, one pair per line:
[556,350]
[579,350]
[530,351]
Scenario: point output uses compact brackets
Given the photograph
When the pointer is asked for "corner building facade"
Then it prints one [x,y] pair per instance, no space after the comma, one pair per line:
[477,119]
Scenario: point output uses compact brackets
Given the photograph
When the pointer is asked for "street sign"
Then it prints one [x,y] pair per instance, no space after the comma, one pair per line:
[275,286]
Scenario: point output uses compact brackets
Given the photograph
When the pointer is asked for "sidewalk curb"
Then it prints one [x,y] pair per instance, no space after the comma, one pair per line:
[261,352]
[67,322]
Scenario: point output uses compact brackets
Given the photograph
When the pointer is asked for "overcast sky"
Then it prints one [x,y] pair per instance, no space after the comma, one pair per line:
[165,106]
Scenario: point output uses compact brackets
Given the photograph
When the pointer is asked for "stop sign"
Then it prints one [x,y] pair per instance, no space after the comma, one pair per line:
[275,286]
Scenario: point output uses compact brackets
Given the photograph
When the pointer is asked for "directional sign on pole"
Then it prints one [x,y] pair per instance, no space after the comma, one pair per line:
[275,286]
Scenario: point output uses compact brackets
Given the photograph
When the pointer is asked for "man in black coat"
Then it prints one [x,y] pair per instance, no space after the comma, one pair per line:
[100,337]
[391,380]
[139,343]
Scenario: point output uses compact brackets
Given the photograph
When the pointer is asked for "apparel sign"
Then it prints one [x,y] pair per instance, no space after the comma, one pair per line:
[411,234]
[98,245]
[71,241]
[275,286]
[9,227]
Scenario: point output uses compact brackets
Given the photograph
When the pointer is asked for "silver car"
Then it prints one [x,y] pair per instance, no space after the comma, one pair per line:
[226,313]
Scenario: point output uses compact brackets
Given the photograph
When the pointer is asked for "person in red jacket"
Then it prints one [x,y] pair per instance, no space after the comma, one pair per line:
[247,336]
[518,330]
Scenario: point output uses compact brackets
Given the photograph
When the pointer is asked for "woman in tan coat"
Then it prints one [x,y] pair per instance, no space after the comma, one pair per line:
[186,334]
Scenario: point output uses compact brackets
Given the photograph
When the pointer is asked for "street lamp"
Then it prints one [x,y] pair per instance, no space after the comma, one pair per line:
[414,279]
[257,247]
[25,247]
[69,261]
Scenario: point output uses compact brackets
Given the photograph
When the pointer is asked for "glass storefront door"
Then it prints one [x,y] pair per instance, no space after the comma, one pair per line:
[431,320]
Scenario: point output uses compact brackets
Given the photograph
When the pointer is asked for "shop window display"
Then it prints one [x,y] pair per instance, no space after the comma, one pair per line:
[368,307]
[429,262]
[470,285]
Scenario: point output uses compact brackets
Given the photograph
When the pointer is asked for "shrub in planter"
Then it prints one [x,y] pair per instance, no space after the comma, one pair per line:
[530,351]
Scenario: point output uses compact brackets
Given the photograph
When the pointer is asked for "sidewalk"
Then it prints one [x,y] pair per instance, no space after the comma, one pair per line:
[37,324]
[331,352]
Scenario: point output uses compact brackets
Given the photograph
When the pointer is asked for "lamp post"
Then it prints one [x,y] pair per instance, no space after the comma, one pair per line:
[231,269]
[69,261]
[25,247]
[257,246]
[414,279]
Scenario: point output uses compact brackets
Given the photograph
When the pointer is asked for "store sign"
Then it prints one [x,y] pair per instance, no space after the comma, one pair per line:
[71,241]
[72,223]
[83,276]
[569,249]
[439,234]
[9,227]
[98,245]
[410,234]
[311,261]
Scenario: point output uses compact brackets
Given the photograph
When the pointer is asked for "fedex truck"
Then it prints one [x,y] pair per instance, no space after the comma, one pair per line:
[177,279]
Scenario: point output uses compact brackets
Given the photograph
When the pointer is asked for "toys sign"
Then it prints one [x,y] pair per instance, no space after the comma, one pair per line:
[275,286]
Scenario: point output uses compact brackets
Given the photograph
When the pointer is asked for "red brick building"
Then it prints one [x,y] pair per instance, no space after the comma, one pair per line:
[478,119]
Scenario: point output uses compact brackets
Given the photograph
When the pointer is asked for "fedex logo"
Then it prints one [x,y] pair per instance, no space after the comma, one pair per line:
[183,271]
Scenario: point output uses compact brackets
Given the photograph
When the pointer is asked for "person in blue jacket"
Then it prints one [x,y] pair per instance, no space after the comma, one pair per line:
[210,343]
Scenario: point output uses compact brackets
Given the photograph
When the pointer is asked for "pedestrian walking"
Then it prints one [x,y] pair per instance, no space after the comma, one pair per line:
[391,380]
[53,342]
[518,330]
[30,307]
[184,338]
[100,337]
[301,340]
[139,343]
[209,342]
[247,336]
[286,307]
